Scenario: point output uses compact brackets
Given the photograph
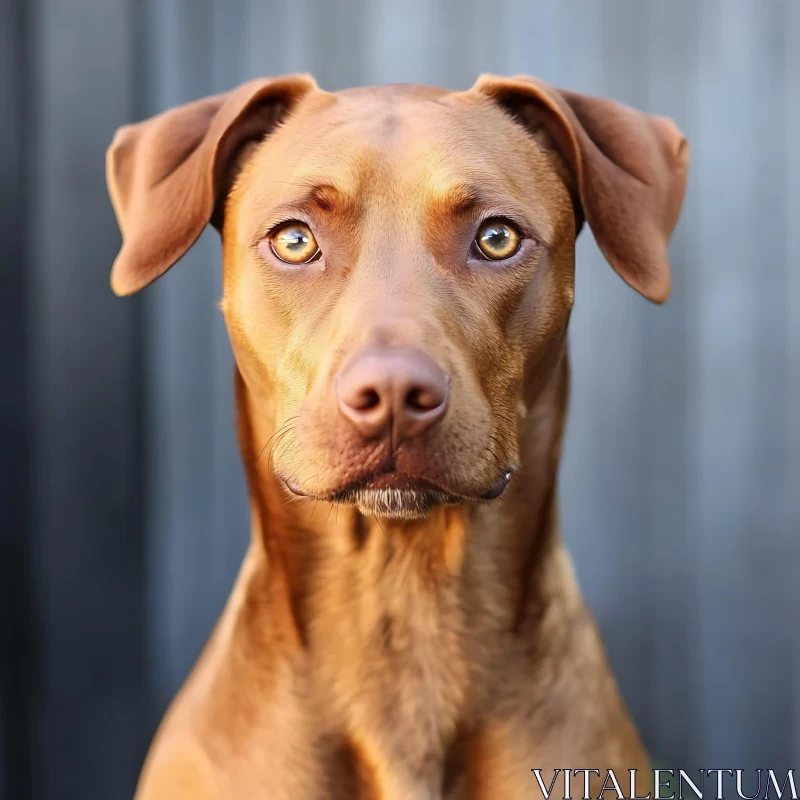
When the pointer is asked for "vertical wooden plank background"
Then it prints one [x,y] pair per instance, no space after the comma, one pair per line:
[742,358]
[16,581]
[789,532]
[680,485]
[87,692]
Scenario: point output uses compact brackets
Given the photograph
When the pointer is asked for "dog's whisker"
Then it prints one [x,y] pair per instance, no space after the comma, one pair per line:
[275,433]
[492,454]
[281,437]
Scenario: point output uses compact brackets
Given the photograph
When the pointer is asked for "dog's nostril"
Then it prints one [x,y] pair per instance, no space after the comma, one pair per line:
[418,399]
[366,400]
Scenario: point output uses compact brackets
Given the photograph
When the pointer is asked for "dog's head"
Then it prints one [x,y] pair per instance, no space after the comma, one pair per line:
[398,261]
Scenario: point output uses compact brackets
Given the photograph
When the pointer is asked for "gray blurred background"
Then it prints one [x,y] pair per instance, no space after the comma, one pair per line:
[124,516]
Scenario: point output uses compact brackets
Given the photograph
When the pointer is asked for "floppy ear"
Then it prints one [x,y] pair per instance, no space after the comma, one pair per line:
[629,170]
[165,175]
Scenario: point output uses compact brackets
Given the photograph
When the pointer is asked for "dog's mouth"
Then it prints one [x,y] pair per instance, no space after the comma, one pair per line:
[398,496]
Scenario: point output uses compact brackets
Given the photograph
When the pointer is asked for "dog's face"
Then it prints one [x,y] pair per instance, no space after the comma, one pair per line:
[429,228]
[398,271]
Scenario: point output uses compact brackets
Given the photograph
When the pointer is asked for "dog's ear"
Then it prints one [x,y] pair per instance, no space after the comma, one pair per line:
[165,175]
[629,171]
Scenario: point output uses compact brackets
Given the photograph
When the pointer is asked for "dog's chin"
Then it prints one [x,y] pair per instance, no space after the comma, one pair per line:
[393,496]
[397,503]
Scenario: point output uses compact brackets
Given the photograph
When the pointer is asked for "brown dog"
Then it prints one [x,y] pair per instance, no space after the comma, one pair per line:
[398,279]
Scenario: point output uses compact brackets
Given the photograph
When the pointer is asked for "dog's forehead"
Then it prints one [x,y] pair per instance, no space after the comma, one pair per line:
[391,117]
[394,91]
[419,135]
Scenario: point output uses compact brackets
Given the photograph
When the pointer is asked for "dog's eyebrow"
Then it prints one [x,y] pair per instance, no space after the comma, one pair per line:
[322,196]
[460,198]
[464,199]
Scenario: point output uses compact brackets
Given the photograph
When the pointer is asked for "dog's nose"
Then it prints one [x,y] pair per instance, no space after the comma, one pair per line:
[395,390]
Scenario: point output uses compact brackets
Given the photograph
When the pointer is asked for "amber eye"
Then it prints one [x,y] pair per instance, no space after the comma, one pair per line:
[497,239]
[294,243]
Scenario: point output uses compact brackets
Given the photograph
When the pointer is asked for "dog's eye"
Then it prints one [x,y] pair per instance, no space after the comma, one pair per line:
[498,240]
[294,243]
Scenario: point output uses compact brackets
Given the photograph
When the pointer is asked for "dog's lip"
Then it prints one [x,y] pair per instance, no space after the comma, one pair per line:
[389,479]
[498,487]
[398,481]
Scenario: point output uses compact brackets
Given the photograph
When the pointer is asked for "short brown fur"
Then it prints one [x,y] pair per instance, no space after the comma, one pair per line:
[447,654]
